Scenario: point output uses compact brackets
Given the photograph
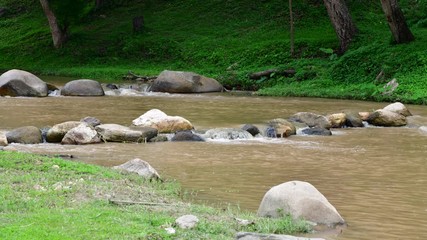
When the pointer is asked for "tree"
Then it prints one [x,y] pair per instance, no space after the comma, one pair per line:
[61,14]
[59,35]
[291,22]
[396,21]
[342,22]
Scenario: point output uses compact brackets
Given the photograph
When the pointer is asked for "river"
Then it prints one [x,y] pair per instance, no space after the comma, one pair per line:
[375,177]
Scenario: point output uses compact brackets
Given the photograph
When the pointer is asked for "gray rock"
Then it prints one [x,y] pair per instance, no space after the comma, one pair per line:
[227,133]
[253,130]
[82,87]
[21,83]
[311,119]
[187,221]
[184,82]
[160,138]
[147,133]
[140,167]
[353,120]
[300,200]
[58,131]
[118,133]
[82,134]
[25,135]
[317,131]
[186,136]
[91,121]
[399,108]
[282,127]
[387,119]
[259,236]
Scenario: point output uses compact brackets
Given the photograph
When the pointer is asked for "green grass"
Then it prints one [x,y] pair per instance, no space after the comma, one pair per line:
[226,40]
[51,198]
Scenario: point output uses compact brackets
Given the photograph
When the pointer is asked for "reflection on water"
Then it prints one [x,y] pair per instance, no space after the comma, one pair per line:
[375,177]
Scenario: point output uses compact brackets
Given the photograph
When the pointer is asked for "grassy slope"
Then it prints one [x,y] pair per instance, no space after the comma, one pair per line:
[241,36]
[50,198]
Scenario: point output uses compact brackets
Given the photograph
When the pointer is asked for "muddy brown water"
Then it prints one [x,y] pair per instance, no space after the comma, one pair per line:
[375,177]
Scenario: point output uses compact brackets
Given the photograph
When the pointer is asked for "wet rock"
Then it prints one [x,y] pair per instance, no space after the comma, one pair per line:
[300,200]
[260,236]
[118,133]
[82,87]
[317,131]
[253,130]
[187,221]
[227,133]
[184,82]
[44,131]
[25,135]
[3,139]
[147,133]
[21,83]
[186,136]
[162,122]
[140,167]
[111,86]
[387,119]
[271,132]
[91,121]
[311,119]
[160,138]
[82,134]
[337,120]
[282,127]
[353,120]
[58,131]
[364,115]
[399,108]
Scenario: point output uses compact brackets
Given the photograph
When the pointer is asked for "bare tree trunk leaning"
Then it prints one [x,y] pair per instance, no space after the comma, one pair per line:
[291,22]
[342,22]
[396,21]
[59,36]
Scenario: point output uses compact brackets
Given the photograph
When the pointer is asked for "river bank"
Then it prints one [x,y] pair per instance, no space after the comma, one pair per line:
[46,197]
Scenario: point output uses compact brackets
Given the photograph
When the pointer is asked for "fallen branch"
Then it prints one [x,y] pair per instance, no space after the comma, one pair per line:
[133,76]
[267,73]
[124,202]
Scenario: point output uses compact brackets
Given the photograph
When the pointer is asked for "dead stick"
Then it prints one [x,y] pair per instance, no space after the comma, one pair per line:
[124,202]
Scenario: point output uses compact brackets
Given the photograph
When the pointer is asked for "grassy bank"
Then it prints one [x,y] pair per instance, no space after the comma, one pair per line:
[227,40]
[52,198]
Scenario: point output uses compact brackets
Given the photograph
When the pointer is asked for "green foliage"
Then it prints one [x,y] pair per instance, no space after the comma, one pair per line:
[70,11]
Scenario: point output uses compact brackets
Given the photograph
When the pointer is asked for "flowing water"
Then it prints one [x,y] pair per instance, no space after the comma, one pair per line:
[375,177]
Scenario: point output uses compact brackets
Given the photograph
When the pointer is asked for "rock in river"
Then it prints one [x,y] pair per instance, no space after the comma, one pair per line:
[82,134]
[162,122]
[58,131]
[21,83]
[25,135]
[184,82]
[82,87]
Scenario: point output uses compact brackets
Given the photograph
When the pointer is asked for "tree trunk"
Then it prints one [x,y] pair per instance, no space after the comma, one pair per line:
[98,4]
[396,21]
[59,36]
[291,22]
[342,22]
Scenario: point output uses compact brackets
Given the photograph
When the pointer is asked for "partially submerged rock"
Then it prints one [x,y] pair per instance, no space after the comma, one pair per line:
[282,128]
[118,133]
[399,108]
[300,200]
[162,122]
[227,133]
[387,118]
[82,87]
[82,134]
[337,120]
[140,167]
[252,129]
[311,119]
[21,83]
[317,131]
[186,136]
[184,82]
[25,135]
[353,120]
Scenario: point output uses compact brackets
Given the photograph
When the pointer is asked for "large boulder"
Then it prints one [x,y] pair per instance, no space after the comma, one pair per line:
[252,129]
[21,83]
[300,200]
[140,167]
[353,120]
[311,119]
[387,118]
[186,136]
[58,131]
[82,87]
[3,139]
[399,108]
[282,127]
[227,134]
[25,135]
[119,133]
[317,131]
[184,82]
[162,122]
[82,134]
